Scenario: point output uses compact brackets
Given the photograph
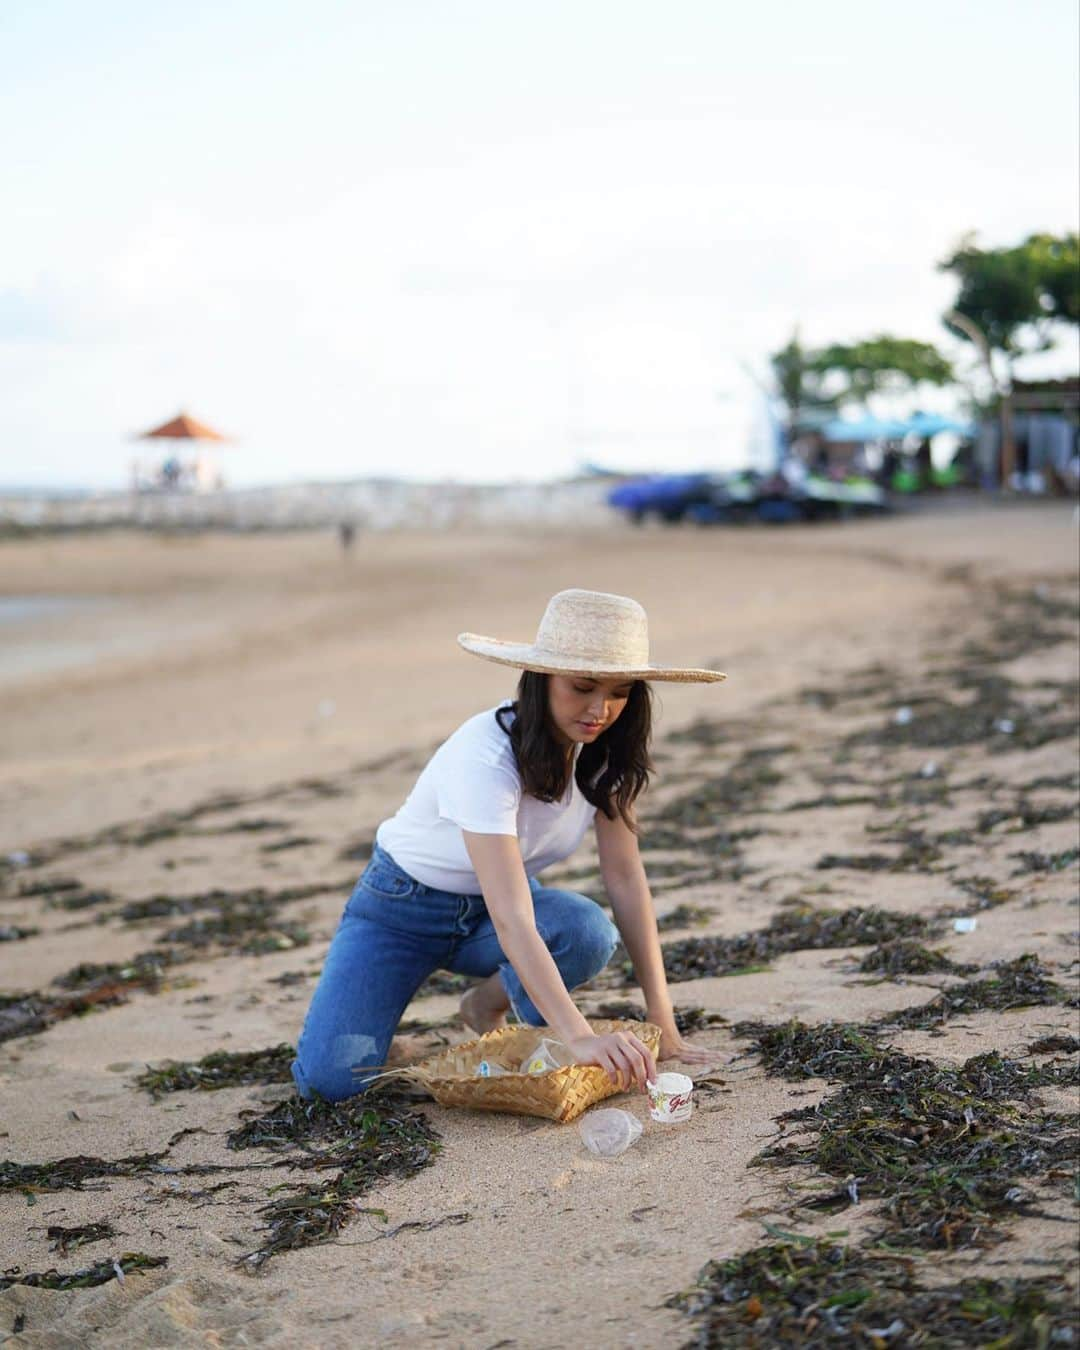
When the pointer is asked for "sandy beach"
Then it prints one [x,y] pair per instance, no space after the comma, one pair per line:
[210,728]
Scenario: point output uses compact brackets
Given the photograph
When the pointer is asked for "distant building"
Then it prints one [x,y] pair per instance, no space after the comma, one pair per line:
[1046,433]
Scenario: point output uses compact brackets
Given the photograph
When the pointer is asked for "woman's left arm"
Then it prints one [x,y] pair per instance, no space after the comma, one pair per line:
[631,901]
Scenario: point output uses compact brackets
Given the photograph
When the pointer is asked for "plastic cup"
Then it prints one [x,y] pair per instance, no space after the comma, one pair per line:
[548,1055]
[609,1132]
[671,1098]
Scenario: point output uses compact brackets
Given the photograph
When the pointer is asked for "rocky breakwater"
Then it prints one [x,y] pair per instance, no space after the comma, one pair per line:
[369,504]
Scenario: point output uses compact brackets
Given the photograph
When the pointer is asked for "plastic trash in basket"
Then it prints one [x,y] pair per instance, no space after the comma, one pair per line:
[609,1132]
[548,1055]
[487,1069]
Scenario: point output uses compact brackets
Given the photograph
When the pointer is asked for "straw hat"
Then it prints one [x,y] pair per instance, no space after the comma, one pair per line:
[587,633]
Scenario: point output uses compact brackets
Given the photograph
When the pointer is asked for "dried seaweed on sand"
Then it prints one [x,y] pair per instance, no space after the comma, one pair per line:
[805,1294]
[365,1140]
[221,1069]
[101,1272]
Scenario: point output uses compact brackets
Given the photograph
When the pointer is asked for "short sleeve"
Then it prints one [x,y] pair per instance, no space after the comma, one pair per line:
[478,789]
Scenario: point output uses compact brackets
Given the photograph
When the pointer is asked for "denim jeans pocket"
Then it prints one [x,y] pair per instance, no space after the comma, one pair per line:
[383,878]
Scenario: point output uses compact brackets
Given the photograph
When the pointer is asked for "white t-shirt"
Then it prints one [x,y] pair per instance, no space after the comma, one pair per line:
[472,783]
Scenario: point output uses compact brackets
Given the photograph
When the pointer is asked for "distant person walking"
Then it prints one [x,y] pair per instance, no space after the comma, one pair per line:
[346,536]
[452,880]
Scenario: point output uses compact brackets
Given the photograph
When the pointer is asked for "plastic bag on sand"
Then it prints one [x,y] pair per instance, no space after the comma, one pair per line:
[609,1132]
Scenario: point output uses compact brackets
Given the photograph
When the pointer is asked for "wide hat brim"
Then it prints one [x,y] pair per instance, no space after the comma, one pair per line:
[526,656]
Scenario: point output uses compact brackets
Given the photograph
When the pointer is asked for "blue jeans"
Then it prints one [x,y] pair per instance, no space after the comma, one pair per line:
[393,934]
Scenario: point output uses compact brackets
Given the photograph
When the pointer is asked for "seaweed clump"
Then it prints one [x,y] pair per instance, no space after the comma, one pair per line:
[684,916]
[741,788]
[48,887]
[796,928]
[942,1148]
[1045,862]
[836,1051]
[253,928]
[810,1294]
[703,731]
[62,893]
[246,922]
[101,1272]
[63,1239]
[13,932]
[993,716]
[148,830]
[144,971]
[444,982]
[251,899]
[1023,983]
[720,843]
[1054,1045]
[872,682]
[905,956]
[985,891]
[687,1019]
[366,1139]
[831,800]
[86,986]
[916,855]
[995,1076]
[1024,816]
[71,1174]
[221,1069]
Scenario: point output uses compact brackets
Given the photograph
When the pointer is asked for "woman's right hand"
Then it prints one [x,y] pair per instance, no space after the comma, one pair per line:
[625,1058]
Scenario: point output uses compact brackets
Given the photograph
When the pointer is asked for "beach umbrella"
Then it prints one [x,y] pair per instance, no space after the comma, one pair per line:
[182,428]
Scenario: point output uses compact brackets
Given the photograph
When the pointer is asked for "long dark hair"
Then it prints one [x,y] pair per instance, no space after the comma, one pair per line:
[610,772]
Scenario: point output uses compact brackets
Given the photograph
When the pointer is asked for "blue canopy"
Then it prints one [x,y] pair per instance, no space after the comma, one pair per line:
[870,428]
[865,429]
[929,424]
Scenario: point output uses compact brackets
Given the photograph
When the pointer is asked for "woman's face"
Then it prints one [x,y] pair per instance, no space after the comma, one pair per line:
[582,708]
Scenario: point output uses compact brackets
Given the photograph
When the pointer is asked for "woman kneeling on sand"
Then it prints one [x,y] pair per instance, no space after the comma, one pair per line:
[452,882]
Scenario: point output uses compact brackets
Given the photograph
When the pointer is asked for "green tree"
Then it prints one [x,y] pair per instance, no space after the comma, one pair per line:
[797,382]
[1011,302]
[880,365]
[828,378]
[1016,295]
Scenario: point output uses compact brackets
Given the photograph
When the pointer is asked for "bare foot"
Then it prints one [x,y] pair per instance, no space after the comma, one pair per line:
[483,1008]
[405,1049]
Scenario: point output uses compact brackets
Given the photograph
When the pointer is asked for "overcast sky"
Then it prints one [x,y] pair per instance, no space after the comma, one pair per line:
[489,238]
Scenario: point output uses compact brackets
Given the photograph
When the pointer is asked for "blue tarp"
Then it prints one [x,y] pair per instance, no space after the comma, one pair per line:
[655,491]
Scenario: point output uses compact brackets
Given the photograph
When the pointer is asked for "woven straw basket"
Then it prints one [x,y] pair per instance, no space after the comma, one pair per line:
[560,1094]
